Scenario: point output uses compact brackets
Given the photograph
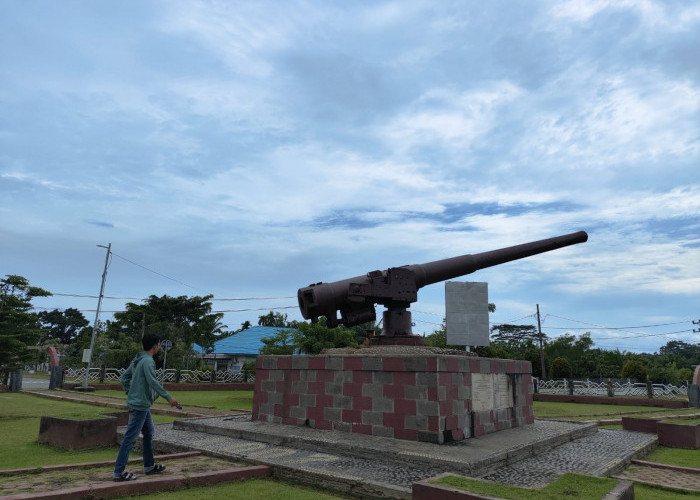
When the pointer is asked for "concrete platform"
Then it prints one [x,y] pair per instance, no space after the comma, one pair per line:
[475,456]
[376,467]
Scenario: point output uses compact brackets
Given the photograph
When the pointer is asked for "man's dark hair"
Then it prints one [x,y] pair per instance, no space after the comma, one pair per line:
[149,340]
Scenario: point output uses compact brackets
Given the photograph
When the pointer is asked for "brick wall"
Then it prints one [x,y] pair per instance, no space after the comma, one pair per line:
[417,398]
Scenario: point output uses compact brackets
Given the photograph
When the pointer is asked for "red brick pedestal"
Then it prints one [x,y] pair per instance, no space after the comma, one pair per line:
[428,397]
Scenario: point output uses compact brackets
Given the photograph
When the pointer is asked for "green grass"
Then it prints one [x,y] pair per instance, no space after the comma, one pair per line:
[20,415]
[19,427]
[675,456]
[647,492]
[549,409]
[566,486]
[221,400]
[683,421]
[252,489]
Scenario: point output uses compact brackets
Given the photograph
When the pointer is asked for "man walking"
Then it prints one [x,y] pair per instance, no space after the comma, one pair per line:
[141,385]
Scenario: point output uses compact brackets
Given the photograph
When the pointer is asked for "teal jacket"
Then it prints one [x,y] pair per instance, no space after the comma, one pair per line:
[140,383]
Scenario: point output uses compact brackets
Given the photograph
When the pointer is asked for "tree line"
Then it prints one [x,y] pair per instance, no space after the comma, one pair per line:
[570,356]
[185,321]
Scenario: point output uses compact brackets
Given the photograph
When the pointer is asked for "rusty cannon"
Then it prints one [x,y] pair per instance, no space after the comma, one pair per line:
[397,287]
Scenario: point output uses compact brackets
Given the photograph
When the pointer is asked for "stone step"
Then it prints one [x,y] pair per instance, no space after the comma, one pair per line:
[372,467]
[475,456]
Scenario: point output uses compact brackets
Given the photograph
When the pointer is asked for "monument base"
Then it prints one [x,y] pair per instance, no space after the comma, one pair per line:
[414,340]
[410,393]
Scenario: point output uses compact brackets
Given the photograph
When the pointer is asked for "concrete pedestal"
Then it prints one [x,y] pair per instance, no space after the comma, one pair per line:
[694,395]
[434,398]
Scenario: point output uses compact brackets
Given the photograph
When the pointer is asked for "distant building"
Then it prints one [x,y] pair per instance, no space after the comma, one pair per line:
[230,353]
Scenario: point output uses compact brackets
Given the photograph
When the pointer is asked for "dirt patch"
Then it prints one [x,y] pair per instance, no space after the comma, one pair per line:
[34,482]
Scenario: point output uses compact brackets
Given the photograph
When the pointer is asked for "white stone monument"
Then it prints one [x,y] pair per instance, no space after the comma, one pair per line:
[467,313]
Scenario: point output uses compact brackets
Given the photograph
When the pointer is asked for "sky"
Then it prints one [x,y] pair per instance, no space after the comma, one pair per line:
[247,149]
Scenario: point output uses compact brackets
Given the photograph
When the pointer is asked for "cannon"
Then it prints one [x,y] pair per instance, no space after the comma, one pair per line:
[397,287]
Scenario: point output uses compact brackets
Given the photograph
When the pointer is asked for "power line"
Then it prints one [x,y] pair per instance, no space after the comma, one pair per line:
[218,311]
[156,272]
[146,298]
[644,335]
[599,327]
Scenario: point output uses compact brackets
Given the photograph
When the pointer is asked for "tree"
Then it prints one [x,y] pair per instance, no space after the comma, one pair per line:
[273,319]
[182,320]
[62,326]
[561,368]
[576,350]
[439,338]
[514,336]
[312,338]
[280,344]
[19,327]
[634,370]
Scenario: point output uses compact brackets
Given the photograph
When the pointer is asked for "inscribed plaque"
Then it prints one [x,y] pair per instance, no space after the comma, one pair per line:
[482,391]
[502,391]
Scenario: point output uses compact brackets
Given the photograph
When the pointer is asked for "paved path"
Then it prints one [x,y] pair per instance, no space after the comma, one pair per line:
[688,479]
[341,460]
[34,384]
[373,466]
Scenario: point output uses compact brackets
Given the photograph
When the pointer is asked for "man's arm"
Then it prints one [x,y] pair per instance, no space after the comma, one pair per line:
[149,372]
[125,379]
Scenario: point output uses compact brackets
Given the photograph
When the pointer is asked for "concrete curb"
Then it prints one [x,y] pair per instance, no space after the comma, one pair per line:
[86,465]
[679,468]
[110,490]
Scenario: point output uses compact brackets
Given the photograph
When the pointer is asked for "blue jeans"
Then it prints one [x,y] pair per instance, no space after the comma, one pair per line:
[139,423]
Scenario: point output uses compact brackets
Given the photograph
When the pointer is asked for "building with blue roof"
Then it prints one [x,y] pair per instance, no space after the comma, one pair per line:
[230,353]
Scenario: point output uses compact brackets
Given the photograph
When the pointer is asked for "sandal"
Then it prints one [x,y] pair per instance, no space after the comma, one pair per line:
[157,468]
[124,476]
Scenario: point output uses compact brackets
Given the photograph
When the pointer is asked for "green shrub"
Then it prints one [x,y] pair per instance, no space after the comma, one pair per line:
[561,368]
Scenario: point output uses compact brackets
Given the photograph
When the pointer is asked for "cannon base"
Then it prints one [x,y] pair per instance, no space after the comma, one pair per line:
[414,340]
[410,393]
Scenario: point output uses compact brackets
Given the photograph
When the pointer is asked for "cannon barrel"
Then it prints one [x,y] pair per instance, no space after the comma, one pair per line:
[397,287]
[441,270]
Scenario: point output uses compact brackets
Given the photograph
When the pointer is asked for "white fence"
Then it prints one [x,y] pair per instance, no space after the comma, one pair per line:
[170,375]
[612,388]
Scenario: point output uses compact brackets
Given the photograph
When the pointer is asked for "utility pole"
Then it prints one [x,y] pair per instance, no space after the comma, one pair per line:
[539,328]
[97,314]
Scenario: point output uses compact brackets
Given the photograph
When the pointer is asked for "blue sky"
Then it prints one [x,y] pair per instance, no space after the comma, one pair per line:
[246,149]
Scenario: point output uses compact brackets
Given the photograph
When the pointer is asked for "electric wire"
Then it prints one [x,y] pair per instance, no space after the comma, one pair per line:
[156,272]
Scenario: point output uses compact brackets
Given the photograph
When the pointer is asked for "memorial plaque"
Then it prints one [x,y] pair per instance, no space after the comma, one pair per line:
[482,391]
[502,391]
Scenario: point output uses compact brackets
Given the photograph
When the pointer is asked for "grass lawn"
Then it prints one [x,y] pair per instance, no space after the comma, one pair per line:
[549,409]
[675,456]
[683,421]
[20,415]
[644,492]
[19,427]
[221,400]
[566,486]
[571,486]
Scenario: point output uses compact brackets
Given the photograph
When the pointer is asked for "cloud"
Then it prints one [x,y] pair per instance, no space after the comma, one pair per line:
[100,223]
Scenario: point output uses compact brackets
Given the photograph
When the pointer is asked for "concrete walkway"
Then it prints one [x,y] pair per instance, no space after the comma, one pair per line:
[375,467]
